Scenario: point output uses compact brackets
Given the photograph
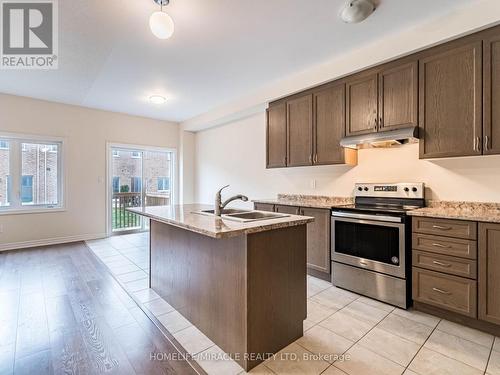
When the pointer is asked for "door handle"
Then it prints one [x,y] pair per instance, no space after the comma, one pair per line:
[441,264]
[441,291]
[440,245]
[441,227]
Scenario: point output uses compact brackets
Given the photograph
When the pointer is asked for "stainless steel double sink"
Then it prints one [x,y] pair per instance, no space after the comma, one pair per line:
[243,216]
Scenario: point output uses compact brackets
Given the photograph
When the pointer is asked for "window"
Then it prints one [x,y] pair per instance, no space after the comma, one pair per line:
[30,174]
[136,184]
[5,187]
[136,155]
[8,189]
[116,184]
[116,153]
[27,189]
[163,184]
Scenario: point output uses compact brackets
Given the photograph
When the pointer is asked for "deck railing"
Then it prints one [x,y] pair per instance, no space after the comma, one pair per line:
[125,220]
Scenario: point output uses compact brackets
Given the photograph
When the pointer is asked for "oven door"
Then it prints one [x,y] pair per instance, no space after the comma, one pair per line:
[372,242]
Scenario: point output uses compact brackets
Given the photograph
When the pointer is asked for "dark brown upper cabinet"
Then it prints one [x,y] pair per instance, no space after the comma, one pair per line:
[276,136]
[329,124]
[299,129]
[398,96]
[450,89]
[491,95]
[362,104]
[489,272]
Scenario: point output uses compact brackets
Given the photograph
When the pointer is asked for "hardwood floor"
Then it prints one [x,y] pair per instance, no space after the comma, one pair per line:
[61,312]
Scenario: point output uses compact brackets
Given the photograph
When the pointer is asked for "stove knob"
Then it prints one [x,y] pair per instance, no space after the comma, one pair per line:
[360,188]
[414,189]
[406,189]
[366,189]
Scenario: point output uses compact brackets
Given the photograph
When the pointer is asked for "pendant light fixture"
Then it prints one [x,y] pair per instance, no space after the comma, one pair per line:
[355,11]
[161,24]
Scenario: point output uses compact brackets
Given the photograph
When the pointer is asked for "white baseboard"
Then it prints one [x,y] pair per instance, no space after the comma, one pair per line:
[50,241]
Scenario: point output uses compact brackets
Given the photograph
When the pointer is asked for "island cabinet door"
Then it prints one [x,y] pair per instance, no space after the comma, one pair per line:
[398,96]
[491,72]
[362,104]
[450,90]
[318,240]
[489,272]
[299,121]
[276,136]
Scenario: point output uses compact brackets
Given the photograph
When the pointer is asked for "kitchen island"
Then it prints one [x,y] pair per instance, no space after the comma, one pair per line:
[243,284]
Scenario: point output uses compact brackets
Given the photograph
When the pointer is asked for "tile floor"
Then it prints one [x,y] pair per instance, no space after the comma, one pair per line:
[344,333]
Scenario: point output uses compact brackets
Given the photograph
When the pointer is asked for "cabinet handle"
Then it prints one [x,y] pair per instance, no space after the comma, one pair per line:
[310,159]
[441,291]
[380,122]
[441,227]
[375,124]
[440,245]
[441,264]
[486,142]
[284,160]
[316,158]
[478,144]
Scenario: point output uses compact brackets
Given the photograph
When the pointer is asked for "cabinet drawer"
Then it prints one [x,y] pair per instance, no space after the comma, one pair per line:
[442,263]
[445,291]
[444,227]
[445,245]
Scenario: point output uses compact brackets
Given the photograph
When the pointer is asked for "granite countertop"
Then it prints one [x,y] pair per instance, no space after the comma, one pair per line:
[311,201]
[472,211]
[184,216]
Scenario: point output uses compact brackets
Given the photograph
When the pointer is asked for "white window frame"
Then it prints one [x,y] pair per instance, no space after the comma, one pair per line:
[174,173]
[136,155]
[15,171]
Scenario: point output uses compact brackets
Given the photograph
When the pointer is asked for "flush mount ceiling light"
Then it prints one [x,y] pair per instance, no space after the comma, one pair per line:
[157,99]
[356,11]
[161,24]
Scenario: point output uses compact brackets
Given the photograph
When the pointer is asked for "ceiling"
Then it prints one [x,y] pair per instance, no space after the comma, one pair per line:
[221,50]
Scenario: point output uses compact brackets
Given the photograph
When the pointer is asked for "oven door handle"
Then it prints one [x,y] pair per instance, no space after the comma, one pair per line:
[391,219]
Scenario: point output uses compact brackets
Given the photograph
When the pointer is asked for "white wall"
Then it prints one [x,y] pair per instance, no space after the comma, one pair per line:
[186,166]
[86,132]
[235,154]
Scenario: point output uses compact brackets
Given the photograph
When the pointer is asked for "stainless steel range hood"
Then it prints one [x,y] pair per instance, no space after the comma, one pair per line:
[381,139]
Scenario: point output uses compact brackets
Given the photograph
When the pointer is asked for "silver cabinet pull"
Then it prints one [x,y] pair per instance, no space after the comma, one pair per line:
[440,245]
[486,143]
[441,291]
[441,227]
[441,264]
[310,158]
[380,122]
[363,263]
[316,158]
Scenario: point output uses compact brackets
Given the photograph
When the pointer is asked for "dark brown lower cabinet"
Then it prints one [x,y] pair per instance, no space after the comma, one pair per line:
[290,210]
[318,238]
[318,241]
[264,207]
[489,272]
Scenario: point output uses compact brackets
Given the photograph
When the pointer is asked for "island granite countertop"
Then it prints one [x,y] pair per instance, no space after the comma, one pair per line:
[185,216]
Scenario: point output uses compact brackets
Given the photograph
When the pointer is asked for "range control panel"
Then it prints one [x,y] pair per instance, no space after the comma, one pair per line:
[395,190]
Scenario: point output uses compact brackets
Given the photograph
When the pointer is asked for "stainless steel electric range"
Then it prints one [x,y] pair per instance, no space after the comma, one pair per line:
[371,241]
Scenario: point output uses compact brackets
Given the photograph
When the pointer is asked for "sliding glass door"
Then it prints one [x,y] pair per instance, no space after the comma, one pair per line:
[138,177]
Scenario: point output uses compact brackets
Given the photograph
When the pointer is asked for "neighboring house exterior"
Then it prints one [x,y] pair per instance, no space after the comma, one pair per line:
[127,172]
[39,174]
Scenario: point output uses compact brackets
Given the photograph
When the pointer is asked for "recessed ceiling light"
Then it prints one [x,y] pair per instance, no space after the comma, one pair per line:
[157,99]
[356,11]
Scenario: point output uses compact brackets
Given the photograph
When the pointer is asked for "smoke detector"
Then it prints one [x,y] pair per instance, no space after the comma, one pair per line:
[356,11]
